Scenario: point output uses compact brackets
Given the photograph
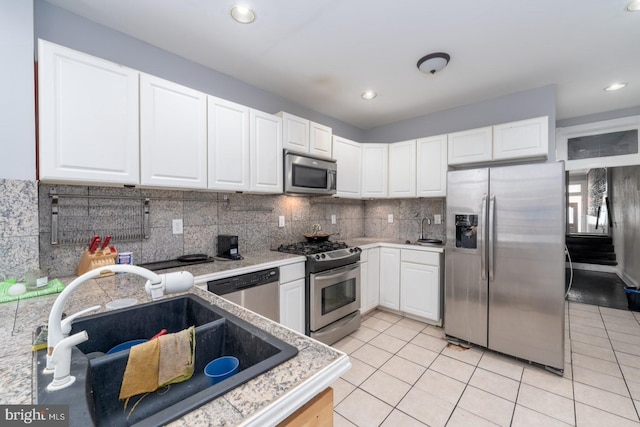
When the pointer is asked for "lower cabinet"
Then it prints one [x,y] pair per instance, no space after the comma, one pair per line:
[369,279]
[420,284]
[292,296]
[390,278]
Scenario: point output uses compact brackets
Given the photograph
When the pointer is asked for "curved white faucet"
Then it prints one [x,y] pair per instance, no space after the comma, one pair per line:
[59,346]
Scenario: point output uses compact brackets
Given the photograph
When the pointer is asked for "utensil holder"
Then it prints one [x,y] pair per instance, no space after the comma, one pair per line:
[100,258]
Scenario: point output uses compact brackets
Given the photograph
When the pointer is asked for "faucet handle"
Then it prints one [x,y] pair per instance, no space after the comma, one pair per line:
[66,323]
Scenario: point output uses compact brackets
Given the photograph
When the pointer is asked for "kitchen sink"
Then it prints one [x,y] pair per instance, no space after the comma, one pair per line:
[93,398]
[430,241]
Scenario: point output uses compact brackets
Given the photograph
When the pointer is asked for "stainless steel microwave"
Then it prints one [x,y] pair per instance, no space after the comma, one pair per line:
[306,174]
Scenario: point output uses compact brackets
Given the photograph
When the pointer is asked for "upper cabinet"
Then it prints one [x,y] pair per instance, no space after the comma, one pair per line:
[348,155]
[265,137]
[402,169]
[88,118]
[470,146]
[431,174]
[173,134]
[524,139]
[304,136]
[374,170]
[228,130]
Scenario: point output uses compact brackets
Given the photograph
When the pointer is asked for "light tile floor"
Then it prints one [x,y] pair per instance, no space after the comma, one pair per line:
[404,373]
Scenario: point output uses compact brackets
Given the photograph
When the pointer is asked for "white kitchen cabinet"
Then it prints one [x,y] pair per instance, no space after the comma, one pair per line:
[370,279]
[304,136]
[374,170]
[291,299]
[295,132]
[320,140]
[470,146]
[420,284]
[228,145]
[87,118]
[173,134]
[265,147]
[432,167]
[521,139]
[348,155]
[402,169]
[390,278]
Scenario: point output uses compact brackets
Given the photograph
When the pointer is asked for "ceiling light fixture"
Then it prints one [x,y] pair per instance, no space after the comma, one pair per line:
[634,6]
[368,95]
[243,14]
[433,62]
[615,86]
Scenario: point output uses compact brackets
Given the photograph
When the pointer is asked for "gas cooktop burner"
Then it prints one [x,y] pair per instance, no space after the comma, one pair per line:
[310,248]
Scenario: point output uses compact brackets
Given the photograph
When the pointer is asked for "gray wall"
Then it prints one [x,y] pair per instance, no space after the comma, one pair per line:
[17,111]
[625,195]
[608,115]
[59,26]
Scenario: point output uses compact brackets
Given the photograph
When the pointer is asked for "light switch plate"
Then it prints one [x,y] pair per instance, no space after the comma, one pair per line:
[281,221]
[390,218]
[437,219]
[333,219]
[177,226]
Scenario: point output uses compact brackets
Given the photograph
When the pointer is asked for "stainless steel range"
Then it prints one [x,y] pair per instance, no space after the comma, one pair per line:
[332,288]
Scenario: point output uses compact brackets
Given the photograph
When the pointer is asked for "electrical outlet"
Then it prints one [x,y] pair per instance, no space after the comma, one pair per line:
[281,221]
[177,226]
[390,218]
[437,219]
[334,219]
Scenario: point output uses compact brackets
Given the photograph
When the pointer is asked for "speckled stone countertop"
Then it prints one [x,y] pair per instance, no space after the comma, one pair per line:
[370,242]
[265,400]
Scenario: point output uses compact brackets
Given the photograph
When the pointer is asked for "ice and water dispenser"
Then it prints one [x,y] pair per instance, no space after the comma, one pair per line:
[467,231]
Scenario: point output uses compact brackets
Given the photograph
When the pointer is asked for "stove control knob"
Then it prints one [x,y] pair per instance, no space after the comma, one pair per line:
[317,256]
[323,256]
[357,249]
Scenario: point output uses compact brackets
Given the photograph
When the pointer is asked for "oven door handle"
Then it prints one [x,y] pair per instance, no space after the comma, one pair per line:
[337,272]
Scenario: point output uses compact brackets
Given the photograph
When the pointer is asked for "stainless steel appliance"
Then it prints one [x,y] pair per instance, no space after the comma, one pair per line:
[257,291]
[305,174]
[504,263]
[332,288]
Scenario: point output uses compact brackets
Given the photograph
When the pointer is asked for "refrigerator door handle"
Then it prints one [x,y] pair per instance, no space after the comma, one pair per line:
[483,225]
[492,202]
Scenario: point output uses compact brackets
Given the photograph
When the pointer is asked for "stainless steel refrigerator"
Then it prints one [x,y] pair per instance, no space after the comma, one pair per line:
[504,260]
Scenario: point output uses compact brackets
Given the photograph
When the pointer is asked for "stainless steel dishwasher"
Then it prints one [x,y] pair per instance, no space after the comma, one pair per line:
[257,291]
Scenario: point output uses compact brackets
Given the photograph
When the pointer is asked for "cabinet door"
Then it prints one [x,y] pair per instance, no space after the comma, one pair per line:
[228,145]
[390,278]
[173,134]
[374,170]
[348,154]
[522,139]
[319,140]
[87,118]
[470,146]
[295,132]
[432,166]
[373,279]
[292,305]
[420,290]
[266,152]
[402,169]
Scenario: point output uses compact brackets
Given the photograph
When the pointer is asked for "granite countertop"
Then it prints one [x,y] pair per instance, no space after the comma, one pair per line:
[266,399]
[369,242]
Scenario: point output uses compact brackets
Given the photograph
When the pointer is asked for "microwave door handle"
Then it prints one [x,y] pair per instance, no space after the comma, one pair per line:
[332,181]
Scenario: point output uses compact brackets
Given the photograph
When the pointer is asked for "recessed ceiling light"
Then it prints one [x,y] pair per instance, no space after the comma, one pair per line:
[633,6]
[615,86]
[369,94]
[243,14]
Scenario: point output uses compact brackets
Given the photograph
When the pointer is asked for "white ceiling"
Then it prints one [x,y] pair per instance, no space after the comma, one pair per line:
[324,53]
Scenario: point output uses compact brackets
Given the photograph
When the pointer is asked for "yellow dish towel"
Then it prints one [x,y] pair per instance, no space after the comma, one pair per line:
[159,362]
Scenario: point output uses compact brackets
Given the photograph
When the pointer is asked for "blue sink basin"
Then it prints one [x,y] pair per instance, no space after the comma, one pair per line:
[93,398]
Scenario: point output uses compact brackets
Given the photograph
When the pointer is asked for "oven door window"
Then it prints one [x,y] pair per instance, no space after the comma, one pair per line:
[308,177]
[338,295]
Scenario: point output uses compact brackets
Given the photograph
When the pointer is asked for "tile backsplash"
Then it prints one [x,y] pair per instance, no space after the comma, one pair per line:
[205,215]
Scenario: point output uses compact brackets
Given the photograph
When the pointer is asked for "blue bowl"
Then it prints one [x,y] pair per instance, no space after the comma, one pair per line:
[126,345]
[221,368]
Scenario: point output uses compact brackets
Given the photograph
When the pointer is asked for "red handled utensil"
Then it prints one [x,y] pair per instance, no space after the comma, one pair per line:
[94,243]
[159,334]
[106,242]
